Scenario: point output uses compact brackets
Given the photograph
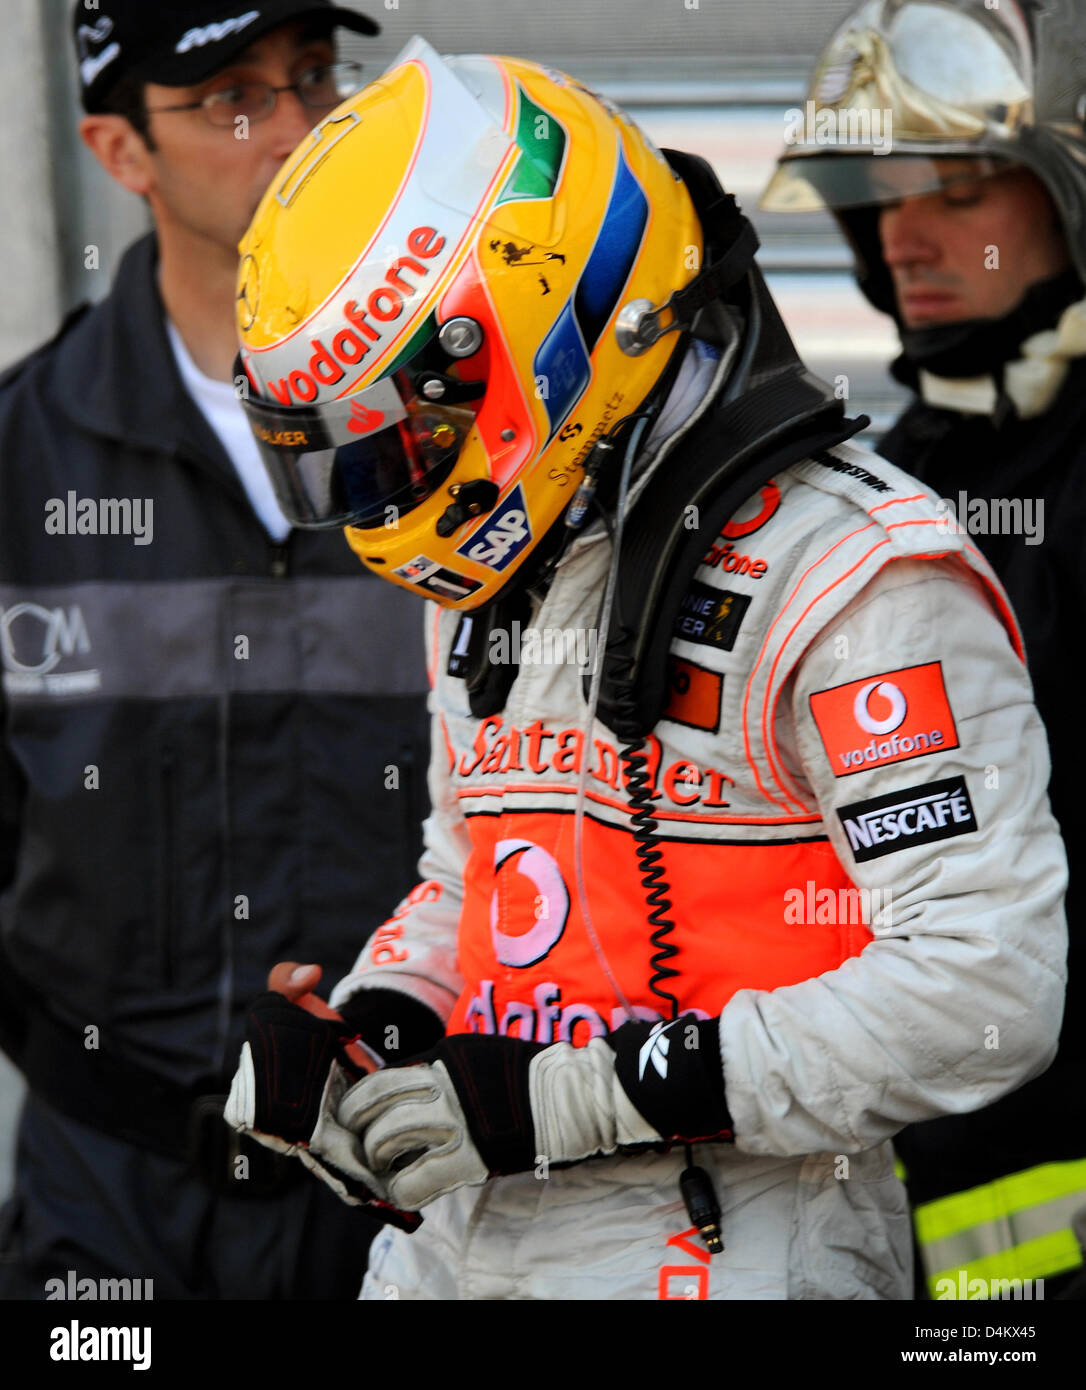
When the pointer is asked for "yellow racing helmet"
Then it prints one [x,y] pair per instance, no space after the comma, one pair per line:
[442,303]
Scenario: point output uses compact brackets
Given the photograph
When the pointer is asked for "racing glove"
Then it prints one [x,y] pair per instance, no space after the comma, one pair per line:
[476,1105]
[297,1063]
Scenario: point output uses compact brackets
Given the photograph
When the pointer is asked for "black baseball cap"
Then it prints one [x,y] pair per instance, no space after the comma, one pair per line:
[181,42]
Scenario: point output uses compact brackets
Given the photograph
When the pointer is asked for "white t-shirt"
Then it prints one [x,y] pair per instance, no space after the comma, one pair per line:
[222,411]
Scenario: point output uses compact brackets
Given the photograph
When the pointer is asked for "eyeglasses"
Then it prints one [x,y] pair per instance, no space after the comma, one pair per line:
[320,88]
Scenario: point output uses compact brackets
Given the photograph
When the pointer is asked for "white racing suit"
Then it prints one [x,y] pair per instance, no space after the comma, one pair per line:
[867,886]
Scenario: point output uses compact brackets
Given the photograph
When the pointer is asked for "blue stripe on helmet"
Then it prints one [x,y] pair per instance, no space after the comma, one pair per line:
[562,372]
[561,366]
[613,255]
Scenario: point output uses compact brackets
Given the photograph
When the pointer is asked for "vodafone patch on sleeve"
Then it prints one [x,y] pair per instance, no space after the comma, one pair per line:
[887,718]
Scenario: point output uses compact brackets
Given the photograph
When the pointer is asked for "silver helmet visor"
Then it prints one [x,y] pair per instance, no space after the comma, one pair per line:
[360,461]
[812,182]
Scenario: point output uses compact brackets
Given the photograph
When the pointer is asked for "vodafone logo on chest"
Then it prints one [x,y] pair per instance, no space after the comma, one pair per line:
[750,517]
[754,514]
[886,718]
[362,328]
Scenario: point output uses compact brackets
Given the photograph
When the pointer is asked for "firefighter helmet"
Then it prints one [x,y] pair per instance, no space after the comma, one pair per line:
[905,86]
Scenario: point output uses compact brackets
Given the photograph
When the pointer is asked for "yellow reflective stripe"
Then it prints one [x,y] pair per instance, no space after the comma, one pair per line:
[899,1169]
[990,1237]
[947,1216]
[1042,1258]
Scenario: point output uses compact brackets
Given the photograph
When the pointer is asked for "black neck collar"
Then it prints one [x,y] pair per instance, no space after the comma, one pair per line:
[979,347]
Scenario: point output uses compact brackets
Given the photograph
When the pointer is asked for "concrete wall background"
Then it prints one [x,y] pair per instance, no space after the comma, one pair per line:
[28,215]
[719,33]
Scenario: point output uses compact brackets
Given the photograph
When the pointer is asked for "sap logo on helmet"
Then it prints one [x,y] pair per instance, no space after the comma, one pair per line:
[350,344]
[215,33]
[502,536]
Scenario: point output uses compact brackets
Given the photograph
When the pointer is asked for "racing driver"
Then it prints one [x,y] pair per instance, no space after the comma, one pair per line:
[720,889]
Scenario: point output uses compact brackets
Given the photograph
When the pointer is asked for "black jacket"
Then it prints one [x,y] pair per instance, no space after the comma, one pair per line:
[213,748]
[1044,460]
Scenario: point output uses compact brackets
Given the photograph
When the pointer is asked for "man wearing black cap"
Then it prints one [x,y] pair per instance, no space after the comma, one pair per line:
[210,111]
[211,736]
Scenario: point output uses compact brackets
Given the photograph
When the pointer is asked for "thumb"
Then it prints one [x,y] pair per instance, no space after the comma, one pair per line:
[293,980]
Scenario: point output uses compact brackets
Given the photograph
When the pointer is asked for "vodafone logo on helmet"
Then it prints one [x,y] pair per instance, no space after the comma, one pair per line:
[362,328]
[861,707]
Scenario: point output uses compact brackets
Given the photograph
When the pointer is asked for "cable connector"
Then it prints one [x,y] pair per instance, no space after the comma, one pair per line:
[702,1207]
[586,491]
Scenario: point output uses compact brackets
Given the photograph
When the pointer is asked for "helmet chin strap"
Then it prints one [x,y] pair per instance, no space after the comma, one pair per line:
[487,684]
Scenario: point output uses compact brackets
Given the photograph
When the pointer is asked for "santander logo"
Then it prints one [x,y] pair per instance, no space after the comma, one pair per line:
[364,421]
[364,326]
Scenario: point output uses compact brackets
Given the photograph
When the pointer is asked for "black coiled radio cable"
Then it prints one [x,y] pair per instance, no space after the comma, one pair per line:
[650,863]
[695,1183]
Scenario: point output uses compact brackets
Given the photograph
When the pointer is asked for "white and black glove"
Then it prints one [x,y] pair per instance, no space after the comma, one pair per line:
[476,1105]
[295,1068]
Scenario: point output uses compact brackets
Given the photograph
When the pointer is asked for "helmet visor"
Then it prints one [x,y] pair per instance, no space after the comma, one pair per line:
[811,183]
[361,460]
